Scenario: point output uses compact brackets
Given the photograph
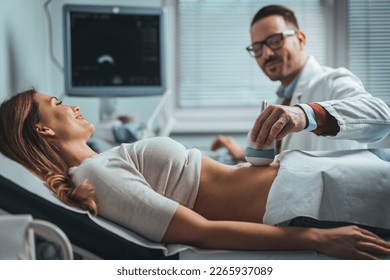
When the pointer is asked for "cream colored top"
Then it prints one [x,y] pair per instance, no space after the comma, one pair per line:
[140,185]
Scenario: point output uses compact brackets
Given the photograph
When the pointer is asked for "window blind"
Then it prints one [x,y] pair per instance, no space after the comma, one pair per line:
[369,41]
[214,69]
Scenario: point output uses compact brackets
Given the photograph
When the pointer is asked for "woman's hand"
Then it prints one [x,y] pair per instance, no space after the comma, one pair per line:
[230,144]
[352,242]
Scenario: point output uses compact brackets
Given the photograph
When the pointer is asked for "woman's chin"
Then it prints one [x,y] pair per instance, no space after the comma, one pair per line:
[91,129]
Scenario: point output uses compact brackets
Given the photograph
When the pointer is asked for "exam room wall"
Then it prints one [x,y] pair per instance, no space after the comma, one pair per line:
[25,59]
[24,62]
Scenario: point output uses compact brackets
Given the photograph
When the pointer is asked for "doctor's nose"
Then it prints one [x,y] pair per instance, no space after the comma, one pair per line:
[267,52]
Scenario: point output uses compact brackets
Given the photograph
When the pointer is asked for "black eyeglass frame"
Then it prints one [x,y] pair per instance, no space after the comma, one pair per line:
[250,48]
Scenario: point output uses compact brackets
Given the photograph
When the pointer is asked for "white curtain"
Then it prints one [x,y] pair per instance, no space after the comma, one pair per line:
[369,44]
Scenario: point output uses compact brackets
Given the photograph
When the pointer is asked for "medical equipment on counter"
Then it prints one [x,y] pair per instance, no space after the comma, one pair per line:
[19,234]
[257,157]
[160,123]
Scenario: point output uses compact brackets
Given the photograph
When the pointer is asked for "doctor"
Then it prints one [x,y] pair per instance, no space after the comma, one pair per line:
[329,107]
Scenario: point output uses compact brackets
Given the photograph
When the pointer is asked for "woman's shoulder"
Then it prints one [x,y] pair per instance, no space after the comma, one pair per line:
[95,162]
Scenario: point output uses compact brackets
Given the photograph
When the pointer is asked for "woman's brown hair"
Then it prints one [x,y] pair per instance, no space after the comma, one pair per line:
[20,141]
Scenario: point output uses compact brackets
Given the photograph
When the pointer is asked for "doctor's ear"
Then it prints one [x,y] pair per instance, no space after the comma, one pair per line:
[301,38]
[44,131]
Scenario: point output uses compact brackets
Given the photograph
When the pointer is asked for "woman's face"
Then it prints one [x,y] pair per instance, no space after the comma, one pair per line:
[59,121]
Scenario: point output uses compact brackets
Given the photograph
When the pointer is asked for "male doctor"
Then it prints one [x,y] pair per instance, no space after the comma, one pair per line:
[321,108]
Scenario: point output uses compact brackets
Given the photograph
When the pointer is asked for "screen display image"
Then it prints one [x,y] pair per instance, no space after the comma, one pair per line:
[113,51]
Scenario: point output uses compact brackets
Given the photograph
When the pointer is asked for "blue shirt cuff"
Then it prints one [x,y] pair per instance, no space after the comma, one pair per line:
[311,117]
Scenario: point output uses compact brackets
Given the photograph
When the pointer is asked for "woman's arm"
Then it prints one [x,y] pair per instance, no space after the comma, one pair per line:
[187,227]
[234,149]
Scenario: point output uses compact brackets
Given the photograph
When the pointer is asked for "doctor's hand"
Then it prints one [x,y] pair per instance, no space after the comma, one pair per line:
[230,144]
[275,122]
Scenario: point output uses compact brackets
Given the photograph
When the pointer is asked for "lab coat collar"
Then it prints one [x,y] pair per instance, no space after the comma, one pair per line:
[306,74]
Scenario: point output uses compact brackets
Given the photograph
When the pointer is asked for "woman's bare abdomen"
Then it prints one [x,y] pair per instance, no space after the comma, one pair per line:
[233,192]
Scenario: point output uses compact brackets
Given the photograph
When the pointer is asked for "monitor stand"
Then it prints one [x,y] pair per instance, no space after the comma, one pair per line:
[107,120]
[160,122]
[107,109]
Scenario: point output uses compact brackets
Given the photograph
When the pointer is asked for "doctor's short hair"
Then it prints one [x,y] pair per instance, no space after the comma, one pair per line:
[271,10]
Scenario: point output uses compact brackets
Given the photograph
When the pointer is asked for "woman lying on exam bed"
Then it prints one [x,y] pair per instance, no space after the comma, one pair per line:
[170,194]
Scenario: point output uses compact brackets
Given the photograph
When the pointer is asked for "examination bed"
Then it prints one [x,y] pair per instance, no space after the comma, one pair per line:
[91,237]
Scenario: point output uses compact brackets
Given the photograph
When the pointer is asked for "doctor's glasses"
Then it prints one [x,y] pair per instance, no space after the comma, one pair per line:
[274,42]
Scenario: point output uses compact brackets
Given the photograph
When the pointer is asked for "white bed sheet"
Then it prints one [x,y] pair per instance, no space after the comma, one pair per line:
[340,186]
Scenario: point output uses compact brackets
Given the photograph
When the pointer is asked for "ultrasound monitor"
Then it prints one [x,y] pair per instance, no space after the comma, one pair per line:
[114,51]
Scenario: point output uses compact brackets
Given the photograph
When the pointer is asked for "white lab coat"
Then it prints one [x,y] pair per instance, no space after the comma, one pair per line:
[360,116]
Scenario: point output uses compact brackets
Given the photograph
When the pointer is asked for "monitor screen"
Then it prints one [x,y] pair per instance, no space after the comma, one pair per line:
[113,51]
